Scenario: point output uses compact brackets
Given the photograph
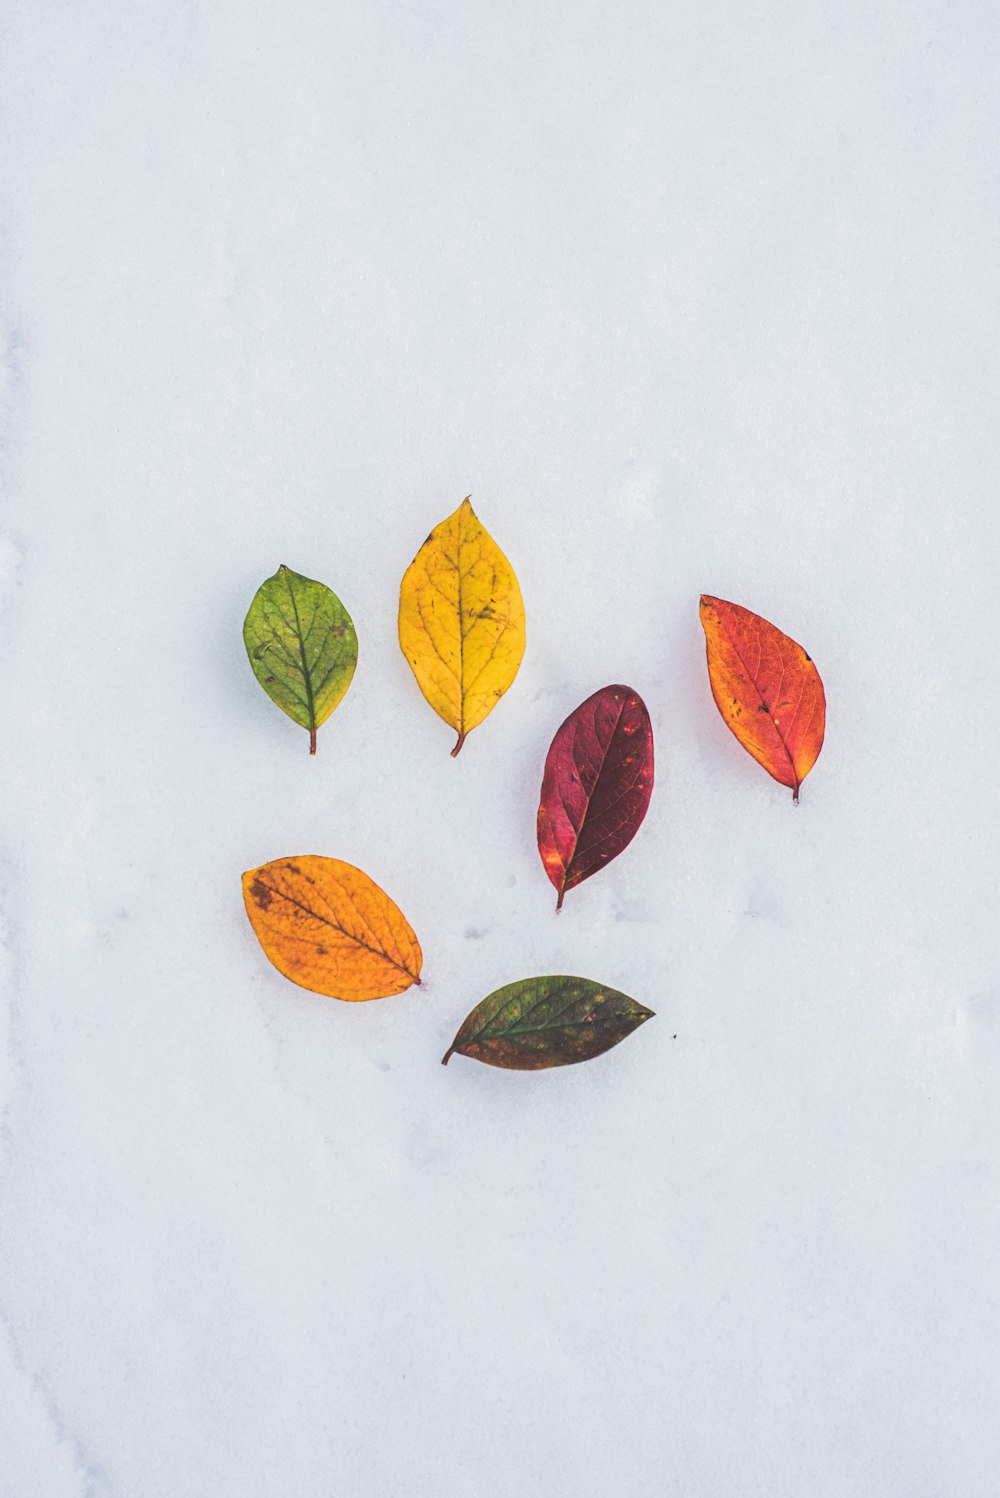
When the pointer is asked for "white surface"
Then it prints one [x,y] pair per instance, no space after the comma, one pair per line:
[688,297]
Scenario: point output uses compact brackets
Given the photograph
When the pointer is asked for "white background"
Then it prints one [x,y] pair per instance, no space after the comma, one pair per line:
[696,296]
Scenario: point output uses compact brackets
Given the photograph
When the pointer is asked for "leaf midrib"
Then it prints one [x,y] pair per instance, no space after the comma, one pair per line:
[753,681]
[570,1024]
[377,951]
[306,674]
[590,798]
[531,1029]
[461,627]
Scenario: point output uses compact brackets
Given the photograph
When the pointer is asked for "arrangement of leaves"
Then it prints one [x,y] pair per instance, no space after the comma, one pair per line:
[596,786]
[461,621]
[542,1022]
[302,647]
[767,689]
[328,927]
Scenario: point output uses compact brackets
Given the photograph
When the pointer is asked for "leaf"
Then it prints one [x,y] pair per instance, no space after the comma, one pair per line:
[767,689]
[461,621]
[541,1022]
[302,647]
[328,927]
[596,787]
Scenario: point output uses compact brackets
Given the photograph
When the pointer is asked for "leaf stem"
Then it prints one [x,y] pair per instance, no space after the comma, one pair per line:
[447,1055]
[461,741]
[312,741]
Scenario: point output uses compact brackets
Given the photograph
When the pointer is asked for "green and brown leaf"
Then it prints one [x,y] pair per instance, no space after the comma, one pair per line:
[551,1021]
[302,647]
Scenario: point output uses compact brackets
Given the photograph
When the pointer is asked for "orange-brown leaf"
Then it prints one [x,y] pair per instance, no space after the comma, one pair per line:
[328,927]
[767,689]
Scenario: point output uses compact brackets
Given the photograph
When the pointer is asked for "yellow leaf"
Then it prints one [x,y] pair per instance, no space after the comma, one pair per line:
[461,621]
[328,927]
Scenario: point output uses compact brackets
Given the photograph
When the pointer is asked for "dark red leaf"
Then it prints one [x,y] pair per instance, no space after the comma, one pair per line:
[596,787]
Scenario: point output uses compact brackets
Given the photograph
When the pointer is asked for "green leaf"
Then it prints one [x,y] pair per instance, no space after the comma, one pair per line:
[302,647]
[542,1022]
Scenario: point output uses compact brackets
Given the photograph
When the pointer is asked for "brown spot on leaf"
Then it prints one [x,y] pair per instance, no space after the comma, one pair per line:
[261,895]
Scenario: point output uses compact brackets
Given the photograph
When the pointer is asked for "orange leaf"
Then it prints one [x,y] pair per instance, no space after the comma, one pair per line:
[328,927]
[767,690]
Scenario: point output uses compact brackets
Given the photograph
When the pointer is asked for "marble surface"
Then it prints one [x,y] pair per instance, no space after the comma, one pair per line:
[688,297]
